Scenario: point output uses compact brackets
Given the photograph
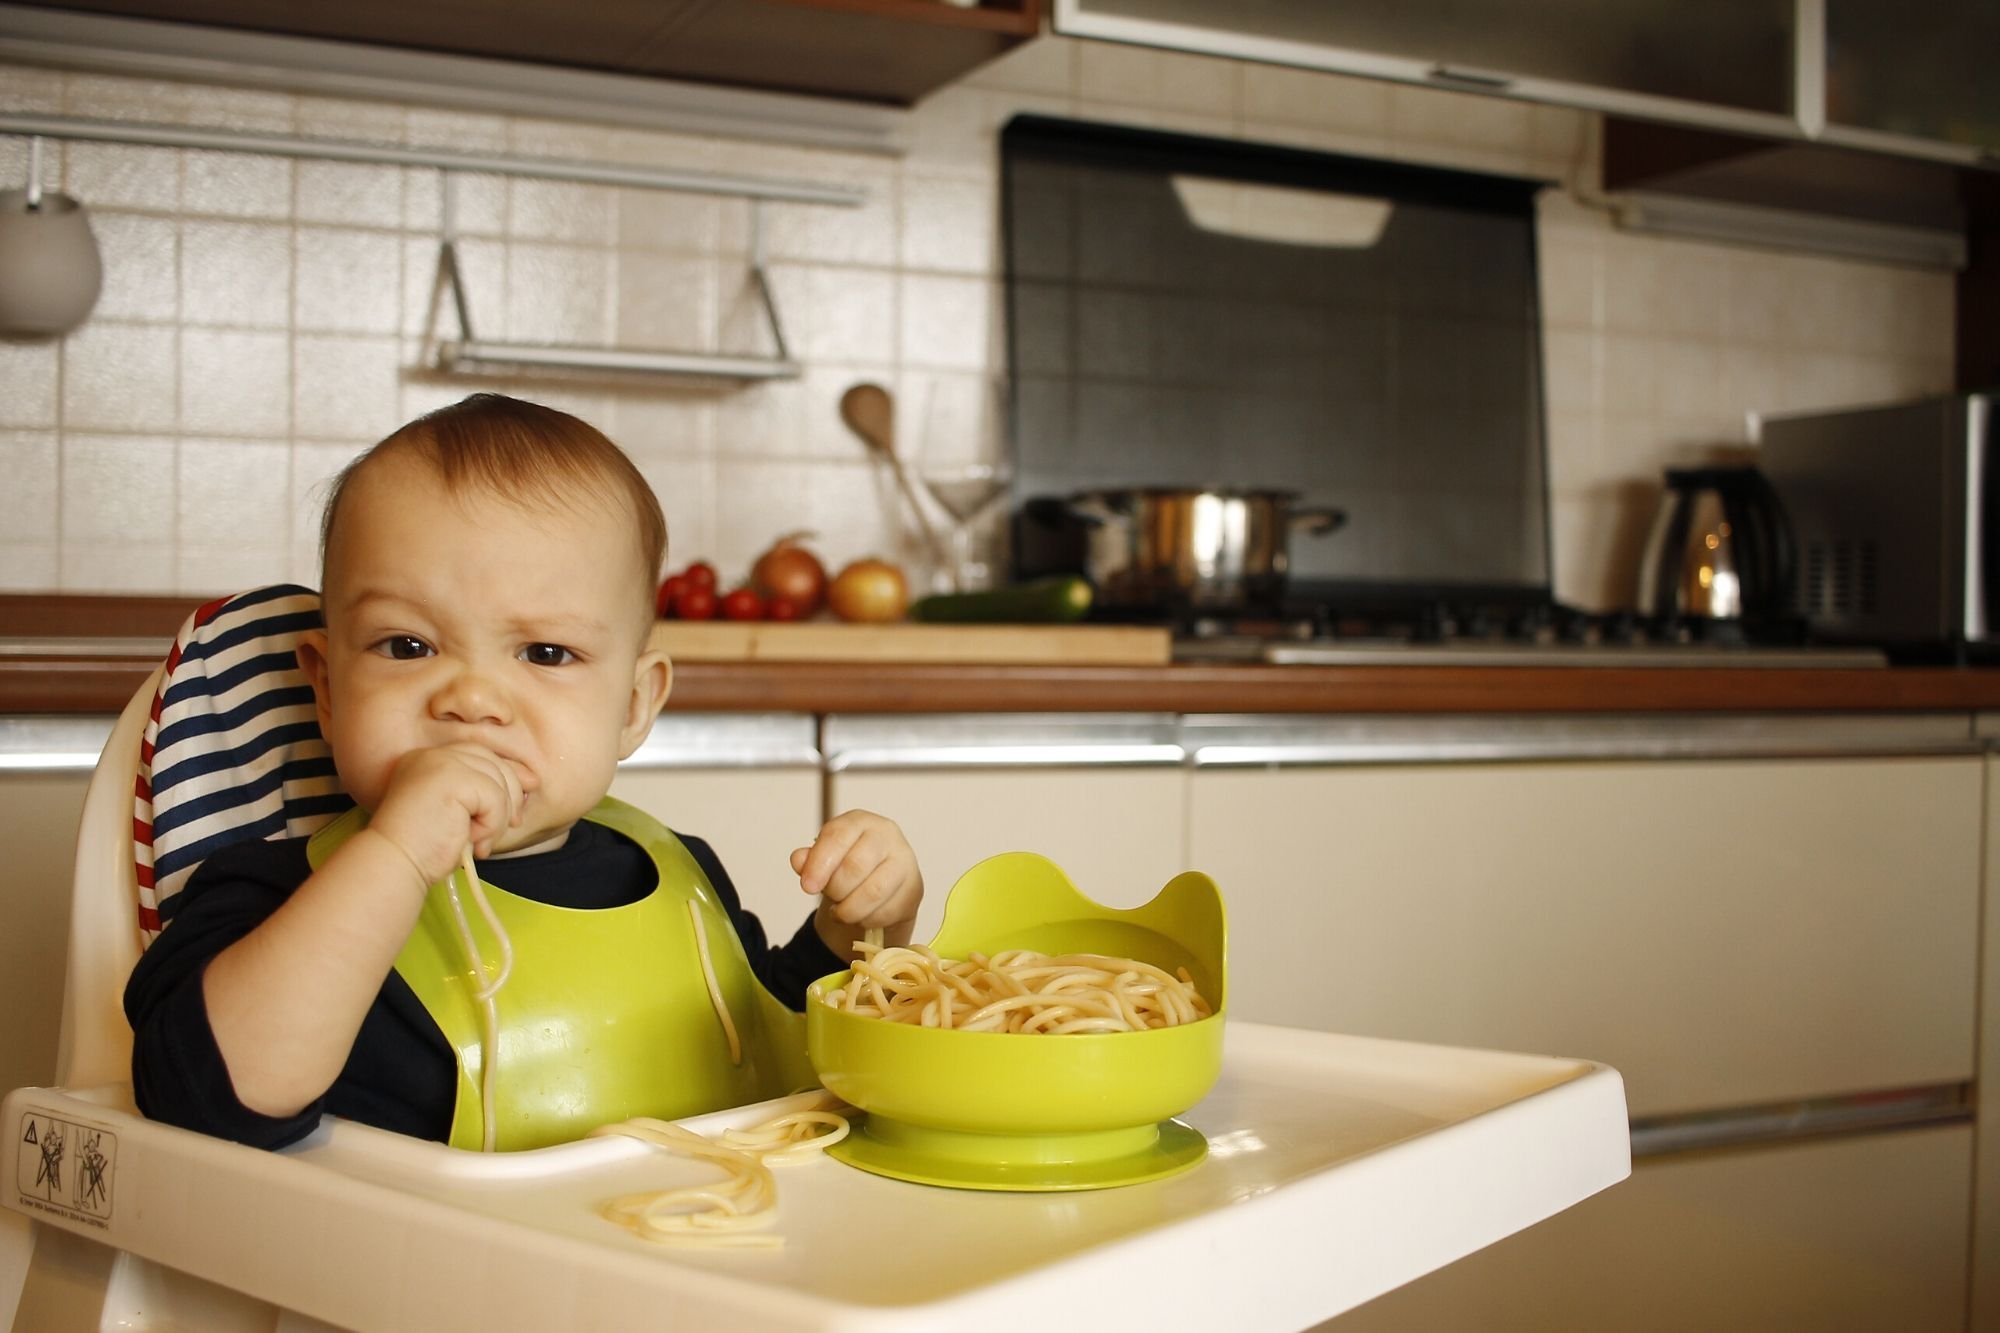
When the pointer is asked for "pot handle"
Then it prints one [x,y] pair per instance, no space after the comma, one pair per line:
[1318,521]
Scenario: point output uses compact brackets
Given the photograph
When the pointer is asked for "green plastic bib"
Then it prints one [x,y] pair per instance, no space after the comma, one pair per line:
[606,1014]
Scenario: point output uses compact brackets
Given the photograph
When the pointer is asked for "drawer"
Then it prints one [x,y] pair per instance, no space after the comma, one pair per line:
[1724,933]
[1839,1236]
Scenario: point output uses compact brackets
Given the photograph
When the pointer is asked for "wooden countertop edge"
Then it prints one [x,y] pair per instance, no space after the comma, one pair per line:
[85,684]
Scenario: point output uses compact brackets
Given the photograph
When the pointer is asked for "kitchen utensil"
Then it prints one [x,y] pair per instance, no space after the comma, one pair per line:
[870,412]
[1009,1111]
[50,271]
[1719,549]
[1163,548]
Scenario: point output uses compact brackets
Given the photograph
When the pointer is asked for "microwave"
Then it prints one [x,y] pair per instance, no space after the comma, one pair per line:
[1894,514]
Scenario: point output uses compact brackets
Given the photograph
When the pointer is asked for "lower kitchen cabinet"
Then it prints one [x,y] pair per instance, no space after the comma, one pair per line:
[39,811]
[753,817]
[1724,932]
[1116,831]
[1727,933]
[1854,1235]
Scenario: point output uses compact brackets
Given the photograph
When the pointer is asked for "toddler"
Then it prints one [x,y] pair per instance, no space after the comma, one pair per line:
[488,580]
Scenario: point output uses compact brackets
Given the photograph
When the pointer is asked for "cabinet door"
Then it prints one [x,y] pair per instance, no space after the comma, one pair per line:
[753,817]
[1859,1234]
[38,818]
[1722,63]
[1724,933]
[1116,831]
[1890,70]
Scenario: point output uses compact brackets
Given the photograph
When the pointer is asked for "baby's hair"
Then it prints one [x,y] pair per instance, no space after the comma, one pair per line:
[527,453]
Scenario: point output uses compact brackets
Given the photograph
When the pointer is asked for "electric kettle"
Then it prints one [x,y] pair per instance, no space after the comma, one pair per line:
[1720,549]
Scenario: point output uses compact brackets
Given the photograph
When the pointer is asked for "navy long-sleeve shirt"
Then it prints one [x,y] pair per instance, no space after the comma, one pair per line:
[401,1074]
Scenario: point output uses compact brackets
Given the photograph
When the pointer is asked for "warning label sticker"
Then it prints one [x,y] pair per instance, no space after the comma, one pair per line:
[66,1168]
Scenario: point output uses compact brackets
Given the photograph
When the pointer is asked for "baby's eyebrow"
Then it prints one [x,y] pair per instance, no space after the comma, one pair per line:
[560,623]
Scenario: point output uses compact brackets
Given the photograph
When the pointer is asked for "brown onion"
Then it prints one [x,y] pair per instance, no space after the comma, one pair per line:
[869,590]
[790,571]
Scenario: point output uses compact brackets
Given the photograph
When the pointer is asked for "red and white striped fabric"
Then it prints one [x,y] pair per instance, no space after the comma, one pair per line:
[232,749]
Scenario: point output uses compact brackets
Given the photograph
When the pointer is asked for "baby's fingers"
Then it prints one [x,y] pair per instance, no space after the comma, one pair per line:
[819,865]
[867,902]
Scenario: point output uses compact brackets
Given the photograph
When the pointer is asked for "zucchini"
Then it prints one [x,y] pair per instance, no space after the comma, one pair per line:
[1056,600]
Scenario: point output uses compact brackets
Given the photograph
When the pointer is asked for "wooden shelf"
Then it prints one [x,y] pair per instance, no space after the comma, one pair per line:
[891,51]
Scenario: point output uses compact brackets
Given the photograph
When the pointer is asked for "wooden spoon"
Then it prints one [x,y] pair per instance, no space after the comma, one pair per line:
[870,413]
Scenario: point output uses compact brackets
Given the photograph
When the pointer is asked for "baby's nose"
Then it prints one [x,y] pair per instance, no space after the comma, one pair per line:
[470,695]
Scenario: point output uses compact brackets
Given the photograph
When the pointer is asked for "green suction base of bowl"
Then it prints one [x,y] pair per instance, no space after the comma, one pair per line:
[984,1162]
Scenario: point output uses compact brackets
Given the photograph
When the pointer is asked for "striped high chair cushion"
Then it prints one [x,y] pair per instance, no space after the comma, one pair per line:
[233,748]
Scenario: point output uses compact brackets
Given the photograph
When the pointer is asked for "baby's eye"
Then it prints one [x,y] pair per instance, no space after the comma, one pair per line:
[547,654]
[403,647]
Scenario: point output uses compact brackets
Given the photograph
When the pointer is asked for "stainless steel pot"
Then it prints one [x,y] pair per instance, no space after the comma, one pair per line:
[1213,549]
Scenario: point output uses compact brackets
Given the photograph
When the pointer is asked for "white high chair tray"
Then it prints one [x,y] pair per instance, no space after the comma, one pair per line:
[1339,1167]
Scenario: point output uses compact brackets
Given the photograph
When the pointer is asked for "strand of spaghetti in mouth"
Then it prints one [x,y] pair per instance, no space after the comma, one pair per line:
[1017,990]
[489,1013]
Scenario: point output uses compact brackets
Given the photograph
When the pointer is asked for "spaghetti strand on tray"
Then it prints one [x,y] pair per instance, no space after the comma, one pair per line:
[730,1214]
[1017,990]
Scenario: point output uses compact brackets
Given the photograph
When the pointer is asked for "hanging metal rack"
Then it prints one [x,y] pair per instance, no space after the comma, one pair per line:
[468,352]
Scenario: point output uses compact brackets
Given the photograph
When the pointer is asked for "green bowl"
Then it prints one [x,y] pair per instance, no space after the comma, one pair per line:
[1016,1111]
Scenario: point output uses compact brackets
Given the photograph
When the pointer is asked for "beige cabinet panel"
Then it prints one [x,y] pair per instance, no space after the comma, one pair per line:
[39,815]
[38,818]
[1986,1186]
[1722,932]
[753,817]
[1118,832]
[1851,1235]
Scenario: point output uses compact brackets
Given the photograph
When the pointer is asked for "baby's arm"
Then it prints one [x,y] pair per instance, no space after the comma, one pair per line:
[866,874]
[286,1000]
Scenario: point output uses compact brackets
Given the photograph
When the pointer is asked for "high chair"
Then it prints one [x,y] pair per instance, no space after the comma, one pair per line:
[228,684]
[1339,1166]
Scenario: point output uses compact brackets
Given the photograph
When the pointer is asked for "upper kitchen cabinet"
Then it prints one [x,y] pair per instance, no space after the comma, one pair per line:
[886,51]
[1881,74]
[1914,77]
[1725,63]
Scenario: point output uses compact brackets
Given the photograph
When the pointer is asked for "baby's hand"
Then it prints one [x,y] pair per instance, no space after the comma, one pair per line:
[865,872]
[442,798]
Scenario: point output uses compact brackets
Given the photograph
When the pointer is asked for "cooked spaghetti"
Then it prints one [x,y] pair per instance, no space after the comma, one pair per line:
[731,1213]
[1017,990]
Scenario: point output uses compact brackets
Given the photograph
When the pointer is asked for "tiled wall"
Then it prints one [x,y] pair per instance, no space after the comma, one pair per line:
[263,318]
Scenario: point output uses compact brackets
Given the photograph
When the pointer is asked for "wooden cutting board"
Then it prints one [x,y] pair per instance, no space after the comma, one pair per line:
[833,641]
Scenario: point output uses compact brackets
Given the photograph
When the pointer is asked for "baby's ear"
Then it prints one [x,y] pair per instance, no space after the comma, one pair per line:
[652,680]
[312,655]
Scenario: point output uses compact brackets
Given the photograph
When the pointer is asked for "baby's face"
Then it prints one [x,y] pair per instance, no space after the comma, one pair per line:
[462,617]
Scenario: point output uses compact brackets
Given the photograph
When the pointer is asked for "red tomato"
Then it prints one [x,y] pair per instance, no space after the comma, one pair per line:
[696,604]
[781,608]
[671,589]
[742,604]
[700,574]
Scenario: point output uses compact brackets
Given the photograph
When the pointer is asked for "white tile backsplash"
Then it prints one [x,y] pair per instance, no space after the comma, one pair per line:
[28,375]
[141,257]
[348,281]
[262,318]
[254,474]
[345,388]
[121,377]
[236,382]
[117,489]
[236,273]
[32,466]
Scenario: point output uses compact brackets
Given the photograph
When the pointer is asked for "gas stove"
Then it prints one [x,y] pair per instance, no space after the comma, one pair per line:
[1540,634]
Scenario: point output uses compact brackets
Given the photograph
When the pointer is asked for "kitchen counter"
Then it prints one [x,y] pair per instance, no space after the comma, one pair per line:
[87,655]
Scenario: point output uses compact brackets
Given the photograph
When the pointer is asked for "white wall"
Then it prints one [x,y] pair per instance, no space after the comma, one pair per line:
[261,317]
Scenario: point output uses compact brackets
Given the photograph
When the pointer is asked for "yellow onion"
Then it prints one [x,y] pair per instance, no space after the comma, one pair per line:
[790,571]
[869,590]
